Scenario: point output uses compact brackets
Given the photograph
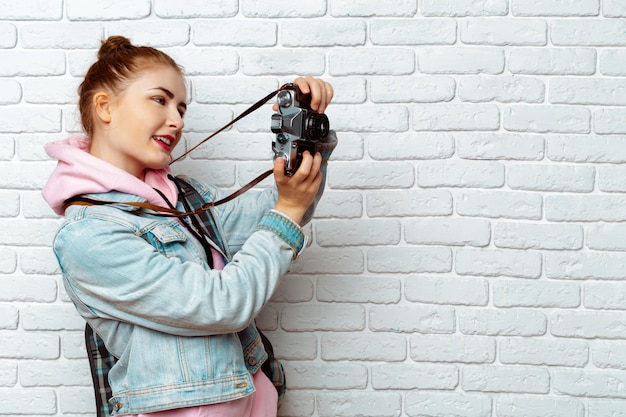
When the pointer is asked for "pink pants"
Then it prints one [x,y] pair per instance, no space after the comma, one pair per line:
[262,403]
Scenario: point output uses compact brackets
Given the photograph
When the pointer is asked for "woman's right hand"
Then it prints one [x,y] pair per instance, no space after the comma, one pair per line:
[297,192]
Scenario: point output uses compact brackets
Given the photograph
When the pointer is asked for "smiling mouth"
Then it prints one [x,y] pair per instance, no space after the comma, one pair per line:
[164,140]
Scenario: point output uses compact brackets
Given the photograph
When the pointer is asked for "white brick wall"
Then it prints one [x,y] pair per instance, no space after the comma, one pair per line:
[468,258]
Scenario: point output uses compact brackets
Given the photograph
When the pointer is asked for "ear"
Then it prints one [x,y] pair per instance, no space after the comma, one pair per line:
[102,106]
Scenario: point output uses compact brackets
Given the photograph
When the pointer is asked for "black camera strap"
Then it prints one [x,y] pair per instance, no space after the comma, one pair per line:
[171,212]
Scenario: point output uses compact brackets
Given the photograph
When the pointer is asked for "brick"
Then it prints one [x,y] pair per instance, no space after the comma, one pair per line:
[31,120]
[42,91]
[8,261]
[445,231]
[463,8]
[556,8]
[358,404]
[11,92]
[538,406]
[51,317]
[446,290]
[609,121]
[613,407]
[414,377]
[499,204]
[378,232]
[369,118]
[9,316]
[447,117]
[429,89]
[500,146]
[588,32]
[511,263]
[613,8]
[283,8]
[226,32]
[371,175]
[441,403]
[585,208]
[371,8]
[323,317]
[516,379]
[536,293]
[348,347]
[109,10]
[61,35]
[552,61]
[588,324]
[9,203]
[8,373]
[29,345]
[503,31]
[7,150]
[298,403]
[294,289]
[350,90]
[409,203]
[592,265]
[31,63]
[55,373]
[605,295]
[369,290]
[31,10]
[582,383]
[461,60]
[499,322]
[342,204]
[159,34]
[543,119]
[370,61]
[39,261]
[588,148]
[28,401]
[449,348]
[612,62]
[413,32]
[283,62]
[222,62]
[79,400]
[333,376]
[502,89]
[605,236]
[229,90]
[410,146]
[532,351]
[538,236]
[605,92]
[314,33]
[194,8]
[73,345]
[336,261]
[609,354]
[28,289]
[27,232]
[410,319]
[409,259]
[459,173]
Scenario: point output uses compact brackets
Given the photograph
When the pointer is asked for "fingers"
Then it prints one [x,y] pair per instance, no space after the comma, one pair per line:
[321,91]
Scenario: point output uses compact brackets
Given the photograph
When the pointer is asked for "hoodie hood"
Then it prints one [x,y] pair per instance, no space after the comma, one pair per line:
[78,172]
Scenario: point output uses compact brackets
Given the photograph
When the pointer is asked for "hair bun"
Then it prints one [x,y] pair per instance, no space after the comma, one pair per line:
[113,44]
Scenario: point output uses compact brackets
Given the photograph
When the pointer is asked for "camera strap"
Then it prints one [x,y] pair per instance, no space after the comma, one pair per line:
[160,211]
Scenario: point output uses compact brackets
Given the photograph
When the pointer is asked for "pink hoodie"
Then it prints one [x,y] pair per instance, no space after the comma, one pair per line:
[79,172]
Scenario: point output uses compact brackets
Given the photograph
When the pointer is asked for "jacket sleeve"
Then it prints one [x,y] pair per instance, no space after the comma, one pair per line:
[111,272]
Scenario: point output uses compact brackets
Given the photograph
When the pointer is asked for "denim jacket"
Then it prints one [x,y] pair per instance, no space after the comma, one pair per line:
[184,334]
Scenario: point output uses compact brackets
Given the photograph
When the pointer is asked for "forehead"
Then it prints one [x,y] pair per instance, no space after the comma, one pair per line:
[161,77]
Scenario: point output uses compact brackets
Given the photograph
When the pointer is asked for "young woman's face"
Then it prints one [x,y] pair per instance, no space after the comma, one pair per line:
[146,121]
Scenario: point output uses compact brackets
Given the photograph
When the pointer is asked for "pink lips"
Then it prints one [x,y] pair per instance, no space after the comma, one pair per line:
[163,144]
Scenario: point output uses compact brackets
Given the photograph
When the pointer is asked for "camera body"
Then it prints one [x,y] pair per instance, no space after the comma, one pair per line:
[298,128]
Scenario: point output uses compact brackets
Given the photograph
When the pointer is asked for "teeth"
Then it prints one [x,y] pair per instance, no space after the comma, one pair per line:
[164,140]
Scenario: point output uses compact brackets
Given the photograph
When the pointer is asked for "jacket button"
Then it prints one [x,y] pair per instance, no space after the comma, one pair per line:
[252,361]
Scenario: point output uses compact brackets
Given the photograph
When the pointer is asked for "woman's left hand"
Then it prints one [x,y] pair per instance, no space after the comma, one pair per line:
[321,92]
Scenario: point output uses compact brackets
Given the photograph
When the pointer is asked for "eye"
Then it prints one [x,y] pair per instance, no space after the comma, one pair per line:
[159,99]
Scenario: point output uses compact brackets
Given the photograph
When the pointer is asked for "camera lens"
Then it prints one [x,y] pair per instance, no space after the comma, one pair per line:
[284,99]
[317,126]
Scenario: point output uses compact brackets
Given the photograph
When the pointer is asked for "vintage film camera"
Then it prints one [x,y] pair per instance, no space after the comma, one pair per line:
[298,128]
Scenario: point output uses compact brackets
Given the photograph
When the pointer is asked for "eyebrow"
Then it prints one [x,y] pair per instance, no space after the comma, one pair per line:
[171,96]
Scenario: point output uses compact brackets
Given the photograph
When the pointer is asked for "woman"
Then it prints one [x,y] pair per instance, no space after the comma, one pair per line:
[180,323]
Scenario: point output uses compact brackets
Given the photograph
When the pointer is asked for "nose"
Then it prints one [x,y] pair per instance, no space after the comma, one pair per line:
[175,120]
